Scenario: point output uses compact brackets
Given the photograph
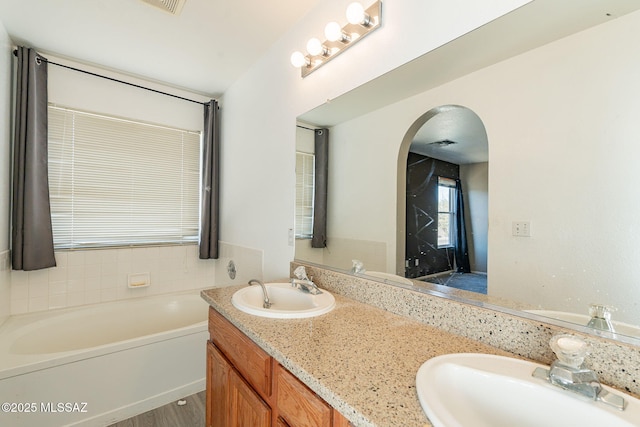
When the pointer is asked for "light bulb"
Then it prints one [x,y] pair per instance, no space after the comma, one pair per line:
[356,15]
[314,47]
[333,31]
[298,59]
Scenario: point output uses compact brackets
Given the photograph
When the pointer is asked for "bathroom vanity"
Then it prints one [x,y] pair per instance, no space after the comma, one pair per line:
[247,387]
[355,365]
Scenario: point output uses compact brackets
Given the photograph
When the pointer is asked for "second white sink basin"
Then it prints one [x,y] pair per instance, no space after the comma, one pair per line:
[287,302]
[480,390]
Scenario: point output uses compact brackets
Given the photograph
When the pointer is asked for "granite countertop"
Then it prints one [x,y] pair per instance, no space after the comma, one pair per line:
[361,359]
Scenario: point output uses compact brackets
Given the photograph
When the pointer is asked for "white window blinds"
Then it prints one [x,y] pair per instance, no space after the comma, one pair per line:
[305,185]
[116,182]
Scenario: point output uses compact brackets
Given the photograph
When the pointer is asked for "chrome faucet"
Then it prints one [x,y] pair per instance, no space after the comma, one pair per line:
[568,372]
[302,282]
[267,303]
[306,285]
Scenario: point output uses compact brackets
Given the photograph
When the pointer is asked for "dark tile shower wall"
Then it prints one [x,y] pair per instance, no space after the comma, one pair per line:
[422,255]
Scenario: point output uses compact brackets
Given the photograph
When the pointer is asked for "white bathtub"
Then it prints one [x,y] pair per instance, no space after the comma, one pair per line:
[95,365]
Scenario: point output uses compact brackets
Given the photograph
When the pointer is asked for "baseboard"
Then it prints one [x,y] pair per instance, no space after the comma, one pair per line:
[482,273]
[142,406]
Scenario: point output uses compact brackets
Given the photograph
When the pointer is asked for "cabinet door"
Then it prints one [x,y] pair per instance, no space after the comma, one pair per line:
[217,388]
[246,407]
[231,402]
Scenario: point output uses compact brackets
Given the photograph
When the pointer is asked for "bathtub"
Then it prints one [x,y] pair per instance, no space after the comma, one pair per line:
[98,364]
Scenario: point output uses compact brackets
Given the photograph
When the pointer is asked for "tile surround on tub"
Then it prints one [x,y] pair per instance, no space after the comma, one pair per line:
[617,364]
[94,276]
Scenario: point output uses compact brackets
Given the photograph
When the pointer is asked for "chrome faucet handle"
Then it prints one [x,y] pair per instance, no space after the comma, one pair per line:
[300,273]
[357,266]
[570,350]
[601,317]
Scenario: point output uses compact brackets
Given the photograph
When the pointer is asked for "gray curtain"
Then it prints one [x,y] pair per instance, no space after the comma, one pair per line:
[461,250]
[321,140]
[31,235]
[209,213]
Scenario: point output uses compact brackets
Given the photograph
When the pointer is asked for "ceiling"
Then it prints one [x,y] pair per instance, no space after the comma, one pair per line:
[204,49]
[463,131]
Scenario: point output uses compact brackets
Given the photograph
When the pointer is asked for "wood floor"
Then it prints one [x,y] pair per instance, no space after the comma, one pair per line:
[172,415]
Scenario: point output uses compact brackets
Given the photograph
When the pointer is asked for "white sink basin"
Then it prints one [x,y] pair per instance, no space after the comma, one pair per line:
[480,390]
[287,302]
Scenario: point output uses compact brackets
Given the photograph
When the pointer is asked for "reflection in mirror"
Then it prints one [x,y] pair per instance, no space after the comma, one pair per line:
[561,124]
[446,200]
[305,178]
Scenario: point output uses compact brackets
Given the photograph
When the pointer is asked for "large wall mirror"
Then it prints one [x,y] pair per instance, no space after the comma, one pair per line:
[559,105]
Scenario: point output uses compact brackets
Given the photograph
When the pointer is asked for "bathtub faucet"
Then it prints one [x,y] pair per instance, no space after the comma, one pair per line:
[267,303]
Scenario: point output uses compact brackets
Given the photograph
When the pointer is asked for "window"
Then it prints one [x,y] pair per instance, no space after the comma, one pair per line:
[116,182]
[305,187]
[446,212]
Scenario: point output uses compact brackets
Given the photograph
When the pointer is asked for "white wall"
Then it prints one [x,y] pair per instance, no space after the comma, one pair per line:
[5,171]
[561,122]
[360,178]
[259,110]
[475,185]
[74,89]
[567,162]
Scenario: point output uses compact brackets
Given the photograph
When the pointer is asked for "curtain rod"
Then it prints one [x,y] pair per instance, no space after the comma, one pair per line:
[303,127]
[15,53]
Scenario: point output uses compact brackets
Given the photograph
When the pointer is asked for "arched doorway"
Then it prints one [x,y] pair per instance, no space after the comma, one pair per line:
[444,154]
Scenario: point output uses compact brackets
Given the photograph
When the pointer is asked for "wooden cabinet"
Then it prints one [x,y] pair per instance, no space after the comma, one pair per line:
[217,386]
[247,388]
[298,405]
[246,407]
[230,400]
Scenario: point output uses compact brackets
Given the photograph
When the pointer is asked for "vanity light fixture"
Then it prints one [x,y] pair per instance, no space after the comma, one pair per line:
[361,21]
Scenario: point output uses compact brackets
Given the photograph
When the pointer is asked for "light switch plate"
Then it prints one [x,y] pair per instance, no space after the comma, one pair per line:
[521,228]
